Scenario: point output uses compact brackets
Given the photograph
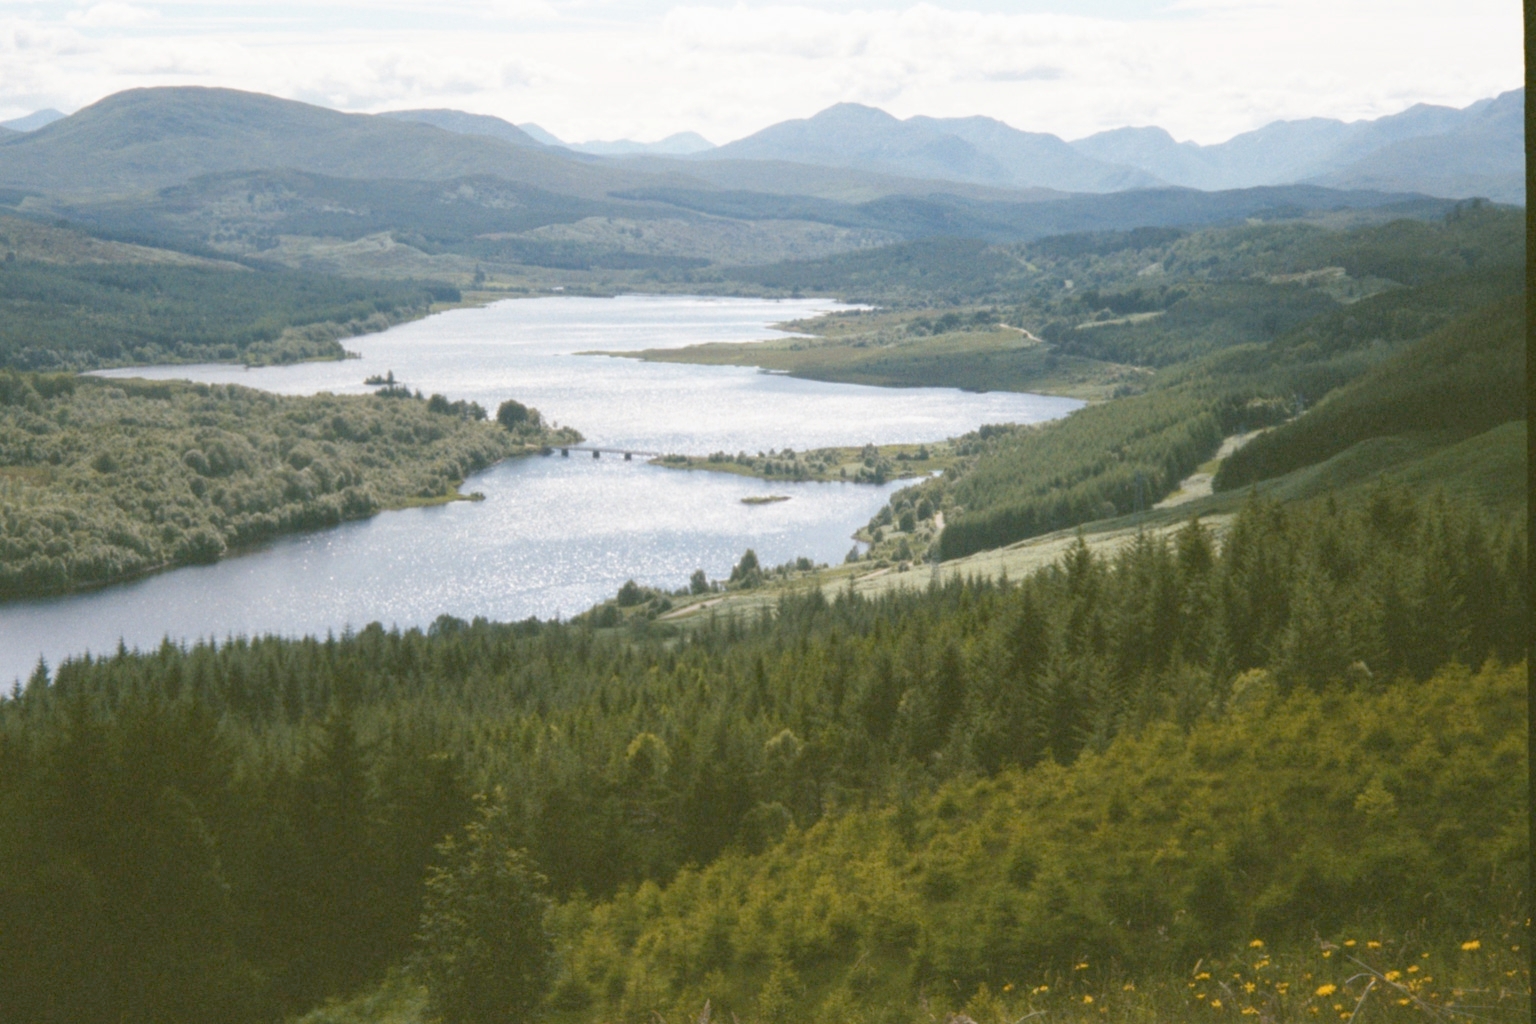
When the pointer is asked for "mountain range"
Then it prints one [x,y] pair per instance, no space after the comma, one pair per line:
[1441,151]
[1478,150]
[226,173]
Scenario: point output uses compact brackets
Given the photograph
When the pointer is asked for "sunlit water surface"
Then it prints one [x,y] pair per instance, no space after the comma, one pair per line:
[554,535]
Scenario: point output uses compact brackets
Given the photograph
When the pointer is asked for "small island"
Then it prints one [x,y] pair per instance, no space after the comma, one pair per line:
[870,464]
[764,499]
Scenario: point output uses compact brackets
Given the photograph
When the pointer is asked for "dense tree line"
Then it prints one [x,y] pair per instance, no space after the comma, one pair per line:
[233,831]
[1102,461]
[79,316]
[103,479]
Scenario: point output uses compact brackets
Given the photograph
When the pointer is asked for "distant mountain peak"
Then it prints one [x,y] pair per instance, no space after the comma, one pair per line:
[539,134]
[33,121]
[854,112]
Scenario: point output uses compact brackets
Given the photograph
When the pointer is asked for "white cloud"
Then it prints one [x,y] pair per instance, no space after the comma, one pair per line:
[111,15]
[1204,69]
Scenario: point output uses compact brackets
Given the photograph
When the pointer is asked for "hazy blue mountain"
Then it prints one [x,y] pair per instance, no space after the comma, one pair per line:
[32,121]
[978,150]
[151,138]
[1039,159]
[1439,150]
[540,135]
[680,144]
[1483,155]
[467,124]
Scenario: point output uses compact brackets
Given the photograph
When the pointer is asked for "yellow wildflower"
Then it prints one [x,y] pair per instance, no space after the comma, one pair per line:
[1256,944]
[1282,987]
[1199,995]
[1404,1001]
[1087,999]
[1008,987]
[1349,942]
[1249,986]
[1129,986]
[1471,945]
[1373,944]
[1203,976]
[1215,1004]
[1393,975]
[1327,990]
[1413,968]
[1080,967]
[1327,953]
[1249,1011]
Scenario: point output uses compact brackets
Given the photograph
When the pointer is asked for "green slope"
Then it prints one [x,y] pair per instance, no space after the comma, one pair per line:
[1467,377]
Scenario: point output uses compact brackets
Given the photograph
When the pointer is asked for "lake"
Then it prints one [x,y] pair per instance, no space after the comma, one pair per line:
[554,535]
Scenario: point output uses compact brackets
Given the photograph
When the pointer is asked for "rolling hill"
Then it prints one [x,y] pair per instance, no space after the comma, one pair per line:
[145,139]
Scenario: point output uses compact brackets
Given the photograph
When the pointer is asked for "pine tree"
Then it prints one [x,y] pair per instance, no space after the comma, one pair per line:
[484,953]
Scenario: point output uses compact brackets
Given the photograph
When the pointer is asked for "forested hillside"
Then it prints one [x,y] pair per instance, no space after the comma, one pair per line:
[69,300]
[104,479]
[235,832]
[1417,349]
[1463,379]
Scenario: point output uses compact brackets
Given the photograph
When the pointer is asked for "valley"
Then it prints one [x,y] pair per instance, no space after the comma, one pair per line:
[877,570]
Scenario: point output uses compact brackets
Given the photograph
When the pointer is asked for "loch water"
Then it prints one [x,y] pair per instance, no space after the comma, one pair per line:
[553,535]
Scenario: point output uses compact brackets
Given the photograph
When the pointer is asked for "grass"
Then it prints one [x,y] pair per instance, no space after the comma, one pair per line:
[907,349]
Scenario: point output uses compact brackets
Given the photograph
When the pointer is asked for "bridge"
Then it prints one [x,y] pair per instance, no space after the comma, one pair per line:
[599,452]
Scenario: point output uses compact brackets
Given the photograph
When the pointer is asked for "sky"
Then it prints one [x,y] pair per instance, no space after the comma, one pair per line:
[643,69]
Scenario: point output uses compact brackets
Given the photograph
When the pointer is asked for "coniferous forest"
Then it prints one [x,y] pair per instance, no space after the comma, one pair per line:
[1064,792]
